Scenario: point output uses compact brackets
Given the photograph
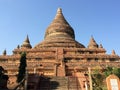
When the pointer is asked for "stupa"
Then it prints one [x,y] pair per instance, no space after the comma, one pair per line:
[59,54]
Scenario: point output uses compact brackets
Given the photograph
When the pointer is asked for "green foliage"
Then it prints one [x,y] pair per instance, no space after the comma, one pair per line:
[22,67]
[116,71]
[98,77]
[97,81]
[108,71]
[112,70]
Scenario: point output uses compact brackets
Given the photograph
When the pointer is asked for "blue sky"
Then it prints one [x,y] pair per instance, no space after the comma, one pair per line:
[99,18]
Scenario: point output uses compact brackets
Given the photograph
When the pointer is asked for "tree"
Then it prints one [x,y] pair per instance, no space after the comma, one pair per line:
[112,70]
[22,67]
[116,71]
[3,79]
[108,71]
[97,80]
[1,70]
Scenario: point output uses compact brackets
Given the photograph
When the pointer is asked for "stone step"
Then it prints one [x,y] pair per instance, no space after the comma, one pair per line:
[59,83]
[73,83]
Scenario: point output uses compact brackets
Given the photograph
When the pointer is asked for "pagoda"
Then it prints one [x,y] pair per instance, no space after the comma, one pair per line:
[59,54]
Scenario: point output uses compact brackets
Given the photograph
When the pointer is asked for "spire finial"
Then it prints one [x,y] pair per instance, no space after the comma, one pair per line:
[59,10]
[27,39]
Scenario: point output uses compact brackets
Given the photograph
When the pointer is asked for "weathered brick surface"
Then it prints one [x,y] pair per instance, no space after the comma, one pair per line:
[59,53]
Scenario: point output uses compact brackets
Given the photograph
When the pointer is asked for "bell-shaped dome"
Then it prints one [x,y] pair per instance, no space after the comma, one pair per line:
[59,27]
[59,34]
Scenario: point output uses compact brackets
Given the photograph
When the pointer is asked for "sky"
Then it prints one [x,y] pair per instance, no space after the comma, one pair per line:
[97,18]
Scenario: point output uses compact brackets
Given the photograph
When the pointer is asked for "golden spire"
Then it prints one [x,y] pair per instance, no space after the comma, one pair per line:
[92,43]
[26,43]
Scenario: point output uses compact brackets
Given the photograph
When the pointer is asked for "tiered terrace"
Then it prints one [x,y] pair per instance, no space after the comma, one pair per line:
[59,54]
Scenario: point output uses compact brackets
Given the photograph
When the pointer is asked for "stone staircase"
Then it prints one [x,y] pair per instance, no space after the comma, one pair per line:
[59,83]
[73,83]
[44,84]
[54,83]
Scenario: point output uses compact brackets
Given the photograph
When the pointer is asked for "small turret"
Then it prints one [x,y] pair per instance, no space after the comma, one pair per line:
[92,43]
[5,52]
[101,46]
[113,52]
[26,43]
[18,47]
